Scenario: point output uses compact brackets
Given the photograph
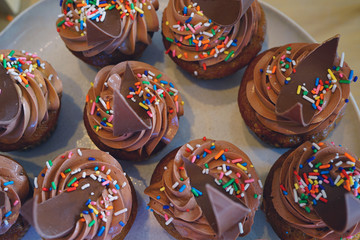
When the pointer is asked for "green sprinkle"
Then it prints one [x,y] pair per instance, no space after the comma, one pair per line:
[4,63]
[229,55]
[95,126]
[229,183]
[181,179]
[50,163]
[315,150]
[169,39]
[159,76]
[326,86]
[221,38]
[27,85]
[287,66]
[345,81]
[145,82]
[91,223]
[206,165]
[61,23]
[97,99]
[302,196]
[194,192]
[53,185]
[214,33]
[171,93]
[107,112]
[321,101]
[305,93]
[67,170]
[132,6]
[11,53]
[318,165]
[307,209]
[288,48]
[235,187]
[72,181]
[281,62]
[104,119]
[337,68]
[302,201]
[220,181]
[111,7]
[255,195]
[306,197]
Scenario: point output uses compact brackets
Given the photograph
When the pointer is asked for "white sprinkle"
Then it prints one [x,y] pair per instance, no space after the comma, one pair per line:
[108,172]
[260,183]
[190,147]
[195,73]
[84,175]
[207,24]
[85,186]
[296,198]
[36,182]
[288,52]
[115,182]
[324,193]
[302,204]
[316,146]
[149,7]
[229,43]
[293,62]
[310,165]
[342,60]
[92,194]
[246,186]
[175,185]
[6,222]
[121,211]
[304,88]
[102,102]
[224,168]
[169,221]
[207,171]
[151,73]
[231,191]
[208,34]
[283,69]
[228,173]
[93,176]
[50,77]
[123,185]
[337,179]
[334,88]
[6,189]
[338,163]
[313,177]
[165,168]
[204,171]
[79,152]
[176,26]
[308,99]
[217,182]
[48,165]
[242,195]
[318,196]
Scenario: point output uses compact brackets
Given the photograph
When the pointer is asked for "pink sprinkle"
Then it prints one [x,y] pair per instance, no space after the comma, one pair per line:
[238,175]
[166,217]
[181,38]
[326,181]
[107,213]
[341,75]
[173,53]
[191,28]
[16,202]
[110,118]
[355,193]
[139,75]
[92,109]
[30,75]
[182,28]
[22,58]
[106,182]
[114,190]
[319,108]
[70,154]
[149,113]
[318,89]
[282,57]
[236,160]
[226,40]
[313,195]
[94,203]
[268,87]
[356,172]
[67,24]
[177,106]
[221,175]
[0,90]
[34,56]
[249,180]
[103,168]
[193,159]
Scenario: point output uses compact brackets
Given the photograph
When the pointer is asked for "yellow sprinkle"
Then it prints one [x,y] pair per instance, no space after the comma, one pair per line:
[167,23]
[200,13]
[311,181]
[82,34]
[331,74]
[251,165]
[317,97]
[162,189]
[1,57]
[107,7]
[97,172]
[331,86]
[81,215]
[119,8]
[241,166]
[109,124]
[162,85]
[97,128]
[316,170]
[288,79]
[351,180]
[298,90]
[316,182]
[238,192]
[143,106]
[179,56]
[296,186]
[226,52]
[338,184]
[92,84]
[139,10]
[95,210]
[182,103]
[273,57]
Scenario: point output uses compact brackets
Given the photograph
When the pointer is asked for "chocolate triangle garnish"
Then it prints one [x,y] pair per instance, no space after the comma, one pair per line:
[341,212]
[313,66]
[2,199]
[129,117]
[224,12]
[215,202]
[98,32]
[57,216]
[9,99]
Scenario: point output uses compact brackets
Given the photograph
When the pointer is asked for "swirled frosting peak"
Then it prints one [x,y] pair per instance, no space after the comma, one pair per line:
[14,189]
[316,190]
[209,31]
[208,190]
[300,88]
[133,106]
[92,27]
[82,194]
[29,90]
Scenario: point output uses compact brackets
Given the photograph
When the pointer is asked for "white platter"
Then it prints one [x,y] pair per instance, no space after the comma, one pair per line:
[210,107]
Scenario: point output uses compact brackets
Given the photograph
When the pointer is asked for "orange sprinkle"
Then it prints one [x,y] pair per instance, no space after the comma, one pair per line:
[195,41]
[186,55]
[206,41]
[187,37]
[320,144]
[324,166]
[220,46]
[82,220]
[317,102]
[109,207]
[321,96]
[350,157]
[212,52]
[198,8]
[206,46]
[219,154]
[321,88]
[137,83]
[102,5]
[62,175]
[87,98]
[274,69]
[24,79]
[108,105]
[313,92]
[176,98]
[109,177]
[81,5]
[342,175]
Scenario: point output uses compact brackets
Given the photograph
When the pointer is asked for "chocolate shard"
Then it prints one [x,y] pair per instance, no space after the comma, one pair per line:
[341,212]
[293,106]
[66,206]
[222,211]
[224,12]
[129,117]
[10,105]
[2,199]
[98,32]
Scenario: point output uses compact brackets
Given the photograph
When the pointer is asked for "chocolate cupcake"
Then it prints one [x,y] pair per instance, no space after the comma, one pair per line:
[312,192]
[132,110]
[15,189]
[107,32]
[213,39]
[205,190]
[83,194]
[295,93]
[30,94]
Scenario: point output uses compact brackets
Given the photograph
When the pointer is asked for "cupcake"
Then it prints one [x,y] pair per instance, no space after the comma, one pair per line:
[30,93]
[295,93]
[132,110]
[312,192]
[205,189]
[83,194]
[14,191]
[107,32]
[210,39]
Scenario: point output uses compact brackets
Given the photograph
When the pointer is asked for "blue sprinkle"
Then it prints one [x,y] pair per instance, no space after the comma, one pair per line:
[38,62]
[310,186]
[227,168]
[320,178]
[188,20]
[334,67]
[340,168]
[317,81]
[204,155]
[331,181]
[122,223]
[288,59]
[223,157]
[132,89]
[141,15]
[155,88]
[148,95]
[355,78]
[147,207]
[91,210]
[61,2]
[96,16]
[166,207]
[324,172]
[9,183]
[102,180]
[85,212]
[321,187]
[8,214]
[233,44]
[351,75]
[117,186]
[182,188]
[201,38]
[163,82]
[185,10]
[198,191]
[311,159]
[210,21]
[146,72]
[101,231]
[88,202]
[331,167]
[286,82]
[198,156]
[261,70]
[98,114]
[20,70]
[212,147]
[158,197]
[314,201]
[147,102]
[103,123]
[50,189]
[346,100]
[244,164]
[171,85]
[301,166]
[285,192]
[91,159]
[96,168]
[12,58]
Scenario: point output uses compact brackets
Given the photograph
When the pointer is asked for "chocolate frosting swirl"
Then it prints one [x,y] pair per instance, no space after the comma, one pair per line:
[205,41]
[14,189]
[152,98]
[299,211]
[68,173]
[30,89]
[114,25]
[273,70]
[167,200]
